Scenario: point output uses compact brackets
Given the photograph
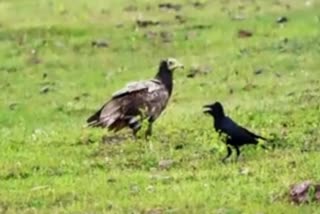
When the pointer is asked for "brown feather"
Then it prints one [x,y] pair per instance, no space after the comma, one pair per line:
[150,98]
[146,99]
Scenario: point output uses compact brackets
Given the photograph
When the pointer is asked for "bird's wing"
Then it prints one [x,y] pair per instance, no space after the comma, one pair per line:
[129,101]
[233,129]
[156,100]
[134,87]
[229,127]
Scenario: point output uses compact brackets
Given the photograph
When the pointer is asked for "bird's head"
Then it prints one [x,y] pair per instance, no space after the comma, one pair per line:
[214,109]
[171,64]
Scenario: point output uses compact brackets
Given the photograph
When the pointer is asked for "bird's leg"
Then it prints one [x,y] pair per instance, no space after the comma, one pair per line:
[149,129]
[134,132]
[238,152]
[135,125]
[228,154]
[264,146]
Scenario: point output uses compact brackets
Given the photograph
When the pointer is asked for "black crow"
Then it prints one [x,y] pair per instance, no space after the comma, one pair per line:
[236,136]
[137,101]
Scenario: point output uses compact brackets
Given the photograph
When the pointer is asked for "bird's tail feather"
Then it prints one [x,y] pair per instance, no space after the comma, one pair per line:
[255,135]
[93,119]
[262,138]
[108,116]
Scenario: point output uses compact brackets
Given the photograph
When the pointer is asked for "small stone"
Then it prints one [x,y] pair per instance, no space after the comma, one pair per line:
[169,5]
[180,19]
[150,35]
[113,140]
[244,171]
[134,189]
[317,189]
[238,17]
[199,70]
[44,89]
[258,71]
[198,4]
[100,44]
[282,19]
[244,33]
[150,188]
[166,36]
[13,106]
[178,147]
[165,164]
[111,180]
[146,23]
[131,8]
[155,211]
[191,35]
[299,192]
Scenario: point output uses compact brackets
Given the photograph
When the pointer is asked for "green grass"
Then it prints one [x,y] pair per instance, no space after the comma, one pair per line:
[50,163]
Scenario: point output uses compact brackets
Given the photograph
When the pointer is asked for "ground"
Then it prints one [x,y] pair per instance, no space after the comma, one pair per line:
[60,60]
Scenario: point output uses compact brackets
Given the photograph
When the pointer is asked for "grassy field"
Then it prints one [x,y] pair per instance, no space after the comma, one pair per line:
[60,60]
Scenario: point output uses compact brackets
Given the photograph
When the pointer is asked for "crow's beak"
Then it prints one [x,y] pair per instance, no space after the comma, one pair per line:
[207,106]
[207,109]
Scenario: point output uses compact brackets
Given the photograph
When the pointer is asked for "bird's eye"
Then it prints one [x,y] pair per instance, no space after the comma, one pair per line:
[170,63]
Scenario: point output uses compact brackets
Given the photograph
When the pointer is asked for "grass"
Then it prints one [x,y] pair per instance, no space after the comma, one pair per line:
[52,79]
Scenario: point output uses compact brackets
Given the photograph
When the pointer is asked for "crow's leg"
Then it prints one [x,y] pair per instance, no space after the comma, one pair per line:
[135,125]
[149,129]
[238,152]
[228,154]
[264,146]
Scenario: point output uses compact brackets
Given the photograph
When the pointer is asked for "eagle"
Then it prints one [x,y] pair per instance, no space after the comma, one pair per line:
[138,101]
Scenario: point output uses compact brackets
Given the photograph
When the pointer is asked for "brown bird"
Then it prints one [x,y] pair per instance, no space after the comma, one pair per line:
[137,101]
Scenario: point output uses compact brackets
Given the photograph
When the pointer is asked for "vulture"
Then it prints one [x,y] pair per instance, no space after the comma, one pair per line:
[138,101]
[236,135]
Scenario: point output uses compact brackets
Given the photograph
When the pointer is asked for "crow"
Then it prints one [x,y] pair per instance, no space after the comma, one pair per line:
[137,101]
[236,135]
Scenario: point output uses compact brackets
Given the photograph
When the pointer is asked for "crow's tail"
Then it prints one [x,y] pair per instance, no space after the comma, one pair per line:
[262,138]
[256,136]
